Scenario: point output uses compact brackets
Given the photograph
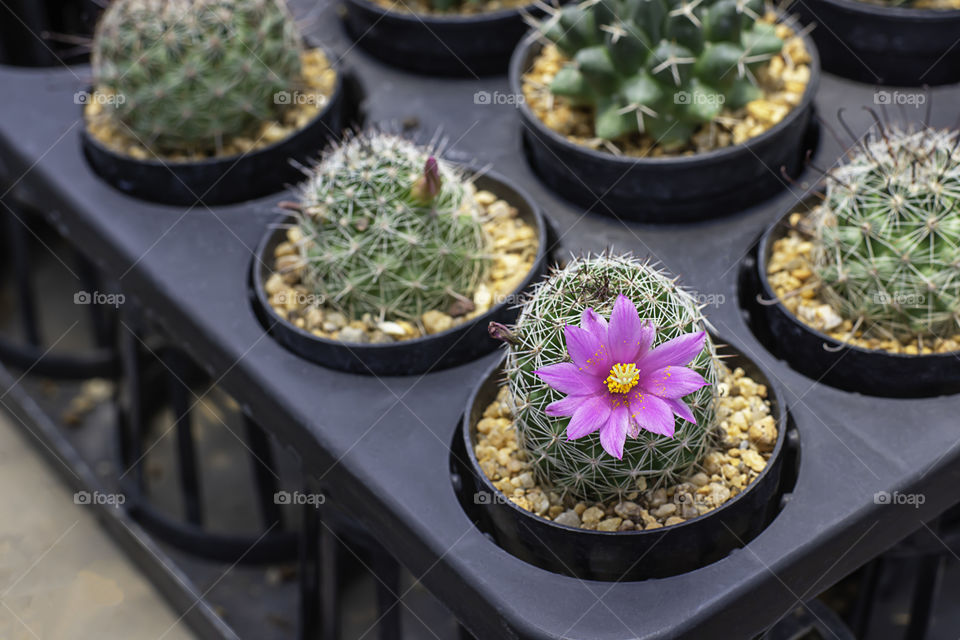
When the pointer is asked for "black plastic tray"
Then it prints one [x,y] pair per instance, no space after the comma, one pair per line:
[381,446]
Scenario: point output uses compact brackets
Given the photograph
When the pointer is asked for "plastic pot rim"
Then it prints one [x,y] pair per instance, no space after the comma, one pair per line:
[917,15]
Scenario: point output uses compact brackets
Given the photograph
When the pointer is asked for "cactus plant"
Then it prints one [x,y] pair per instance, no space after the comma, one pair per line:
[661,67]
[192,72]
[390,230]
[887,236]
[536,344]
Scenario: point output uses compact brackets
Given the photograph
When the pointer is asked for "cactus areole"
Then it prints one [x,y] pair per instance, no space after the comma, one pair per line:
[608,405]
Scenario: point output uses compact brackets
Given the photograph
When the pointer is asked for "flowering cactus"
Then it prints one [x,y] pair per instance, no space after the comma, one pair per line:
[597,405]
[662,67]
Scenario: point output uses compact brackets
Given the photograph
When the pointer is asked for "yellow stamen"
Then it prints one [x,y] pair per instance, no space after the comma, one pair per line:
[622,378]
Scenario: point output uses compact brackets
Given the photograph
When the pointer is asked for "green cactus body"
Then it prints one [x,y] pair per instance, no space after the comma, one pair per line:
[391,231]
[661,67]
[581,467]
[192,72]
[887,245]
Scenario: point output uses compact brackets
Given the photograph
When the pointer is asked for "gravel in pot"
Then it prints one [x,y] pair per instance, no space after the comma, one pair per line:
[670,132]
[216,111]
[395,261]
[859,285]
[692,472]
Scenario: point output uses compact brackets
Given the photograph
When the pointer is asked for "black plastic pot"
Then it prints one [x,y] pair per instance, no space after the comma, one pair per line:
[219,181]
[449,348]
[884,45]
[449,45]
[665,190]
[826,360]
[626,555]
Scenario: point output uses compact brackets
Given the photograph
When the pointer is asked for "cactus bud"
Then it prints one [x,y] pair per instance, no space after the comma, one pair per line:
[427,187]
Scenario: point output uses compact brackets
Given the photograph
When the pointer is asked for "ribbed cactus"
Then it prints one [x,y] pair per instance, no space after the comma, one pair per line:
[662,67]
[582,466]
[390,230]
[887,245]
[192,72]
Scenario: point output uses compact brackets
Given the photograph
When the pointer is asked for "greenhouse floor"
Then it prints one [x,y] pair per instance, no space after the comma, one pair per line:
[61,576]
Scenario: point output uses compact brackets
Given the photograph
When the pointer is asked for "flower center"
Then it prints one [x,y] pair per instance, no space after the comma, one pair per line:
[622,378]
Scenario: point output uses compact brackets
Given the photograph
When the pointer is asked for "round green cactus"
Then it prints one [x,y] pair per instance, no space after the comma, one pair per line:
[887,243]
[192,72]
[581,466]
[390,230]
[661,67]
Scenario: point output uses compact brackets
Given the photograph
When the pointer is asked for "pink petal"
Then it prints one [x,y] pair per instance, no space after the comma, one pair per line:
[676,352]
[614,434]
[647,334]
[672,382]
[624,333]
[681,409]
[594,323]
[564,408]
[651,413]
[592,414]
[566,378]
[587,351]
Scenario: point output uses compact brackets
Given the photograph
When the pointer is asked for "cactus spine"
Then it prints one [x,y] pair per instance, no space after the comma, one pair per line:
[661,67]
[390,230]
[192,72]
[887,243]
[581,467]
